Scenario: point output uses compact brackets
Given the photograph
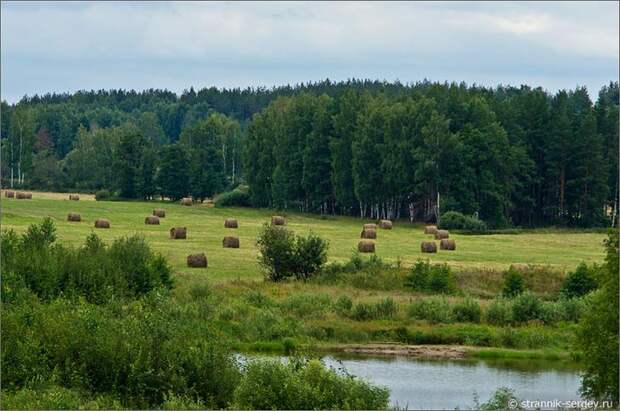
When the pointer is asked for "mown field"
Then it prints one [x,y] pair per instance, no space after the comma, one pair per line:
[562,250]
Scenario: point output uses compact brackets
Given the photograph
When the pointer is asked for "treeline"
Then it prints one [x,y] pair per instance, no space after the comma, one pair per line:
[508,155]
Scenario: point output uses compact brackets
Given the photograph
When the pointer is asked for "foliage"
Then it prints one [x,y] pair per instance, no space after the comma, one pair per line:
[514,283]
[94,271]
[453,220]
[435,310]
[433,278]
[526,307]
[102,195]
[283,254]
[598,330]
[579,282]
[239,197]
[467,310]
[300,384]
[502,399]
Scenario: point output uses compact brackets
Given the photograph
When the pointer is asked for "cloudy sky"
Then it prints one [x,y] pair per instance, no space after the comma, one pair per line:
[67,46]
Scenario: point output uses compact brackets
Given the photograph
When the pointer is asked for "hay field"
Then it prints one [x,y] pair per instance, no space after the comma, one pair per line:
[205,231]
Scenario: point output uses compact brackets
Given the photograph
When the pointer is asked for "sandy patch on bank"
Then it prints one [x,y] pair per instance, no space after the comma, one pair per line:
[446,352]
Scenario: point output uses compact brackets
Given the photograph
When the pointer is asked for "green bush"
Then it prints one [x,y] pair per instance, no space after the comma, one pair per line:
[239,197]
[306,305]
[579,282]
[514,283]
[54,398]
[282,254]
[343,305]
[102,195]
[385,308]
[499,312]
[362,312]
[127,268]
[527,307]
[435,278]
[467,310]
[304,385]
[434,310]
[453,220]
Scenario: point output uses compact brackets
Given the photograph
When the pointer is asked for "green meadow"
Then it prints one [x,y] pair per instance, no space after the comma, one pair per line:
[560,249]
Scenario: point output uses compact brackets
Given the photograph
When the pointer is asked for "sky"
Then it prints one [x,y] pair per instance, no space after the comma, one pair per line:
[68,46]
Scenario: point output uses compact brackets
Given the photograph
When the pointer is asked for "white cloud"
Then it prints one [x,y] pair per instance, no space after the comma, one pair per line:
[361,38]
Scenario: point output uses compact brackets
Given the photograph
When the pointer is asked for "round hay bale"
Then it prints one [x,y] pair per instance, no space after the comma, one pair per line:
[159,212]
[20,195]
[441,234]
[428,247]
[230,242]
[370,226]
[447,244]
[9,194]
[522,268]
[385,224]
[74,197]
[74,217]
[231,223]
[187,201]
[369,233]
[277,220]
[430,229]
[151,220]
[197,260]
[28,196]
[178,233]
[102,223]
[366,246]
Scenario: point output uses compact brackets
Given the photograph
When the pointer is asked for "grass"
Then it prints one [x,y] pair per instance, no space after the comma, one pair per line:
[268,317]
[557,248]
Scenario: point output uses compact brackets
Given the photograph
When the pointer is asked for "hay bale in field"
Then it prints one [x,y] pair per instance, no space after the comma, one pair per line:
[385,224]
[369,233]
[159,212]
[430,229]
[20,195]
[441,234]
[370,226]
[366,246]
[187,201]
[197,260]
[428,247]
[74,217]
[522,268]
[230,242]
[102,223]
[447,244]
[277,220]
[9,194]
[74,197]
[178,233]
[231,223]
[151,220]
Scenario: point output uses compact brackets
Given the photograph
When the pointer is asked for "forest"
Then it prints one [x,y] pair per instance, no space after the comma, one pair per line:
[510,156]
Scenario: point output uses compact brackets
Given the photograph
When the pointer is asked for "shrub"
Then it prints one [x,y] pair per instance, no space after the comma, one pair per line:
[502,399]
[513,283]
[306,305]
[453,220]
[499,312]
[343,305]
[304,385]
[102,195]
[526,307]
[436,278]
[282,254]
[579,282]
[54,398]
[433,310]
[239,197]
[127,268]
[467,310]
[362,312]
[385,308]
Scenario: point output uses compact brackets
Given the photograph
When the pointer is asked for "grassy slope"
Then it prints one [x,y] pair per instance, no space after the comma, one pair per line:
[237,277]
[206,230]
